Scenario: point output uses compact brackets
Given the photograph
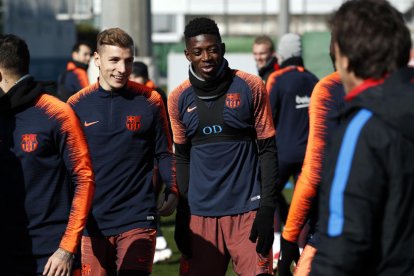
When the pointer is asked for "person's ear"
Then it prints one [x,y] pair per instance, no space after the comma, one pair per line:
[187,55]
[341,61]
[223,48]
[97,59]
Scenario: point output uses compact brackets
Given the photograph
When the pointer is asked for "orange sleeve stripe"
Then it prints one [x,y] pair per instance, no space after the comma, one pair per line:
[70,66]
[309,179]
[82,77]
[85,91]
[262,113]
[177,126]
[151,84]
[155,98]
[271,80]
[82,173]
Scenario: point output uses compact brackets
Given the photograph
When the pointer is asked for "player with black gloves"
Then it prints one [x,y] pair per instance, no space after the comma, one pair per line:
[225,159]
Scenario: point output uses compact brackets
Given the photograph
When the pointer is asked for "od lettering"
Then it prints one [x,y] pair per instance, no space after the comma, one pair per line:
[214,129]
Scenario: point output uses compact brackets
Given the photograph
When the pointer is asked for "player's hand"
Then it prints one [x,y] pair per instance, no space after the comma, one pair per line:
[262,231]
[167,204]
[182,230]
[59,264]
[289,252]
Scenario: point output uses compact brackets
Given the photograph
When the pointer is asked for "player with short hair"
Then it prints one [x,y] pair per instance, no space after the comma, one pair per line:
[127,129]
[45,171]
[75,77]
[366,213]
[226,162]
[265,56]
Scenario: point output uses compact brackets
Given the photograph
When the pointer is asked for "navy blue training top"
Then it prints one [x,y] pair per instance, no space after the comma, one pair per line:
[46,178]
[290,89]
[126,130]
[224,168]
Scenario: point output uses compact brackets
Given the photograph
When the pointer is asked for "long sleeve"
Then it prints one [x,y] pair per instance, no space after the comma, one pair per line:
[72,146]
[266,146]
[163,146]
[322,104]
[269,171]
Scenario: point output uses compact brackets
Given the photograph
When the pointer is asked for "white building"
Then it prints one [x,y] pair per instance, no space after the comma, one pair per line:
[245,17]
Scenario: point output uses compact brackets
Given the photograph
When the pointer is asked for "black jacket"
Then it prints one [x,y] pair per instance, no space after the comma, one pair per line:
[367,192]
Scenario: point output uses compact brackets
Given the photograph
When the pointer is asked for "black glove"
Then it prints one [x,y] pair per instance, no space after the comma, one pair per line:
[182,228]
[262,230]
[289,252]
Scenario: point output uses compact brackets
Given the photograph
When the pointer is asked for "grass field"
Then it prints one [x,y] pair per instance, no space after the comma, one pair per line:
[171,266]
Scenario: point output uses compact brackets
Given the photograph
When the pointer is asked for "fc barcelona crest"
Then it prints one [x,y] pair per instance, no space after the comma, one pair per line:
[133,123]
[29,142]
[233,100]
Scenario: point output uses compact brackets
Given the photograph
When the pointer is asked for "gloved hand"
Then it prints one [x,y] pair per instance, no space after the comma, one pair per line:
[262,230]
[182,228]
[289,252]
[167,204]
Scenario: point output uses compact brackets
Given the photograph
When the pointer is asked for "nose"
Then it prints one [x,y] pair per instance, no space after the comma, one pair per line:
[121,67]
[205,56]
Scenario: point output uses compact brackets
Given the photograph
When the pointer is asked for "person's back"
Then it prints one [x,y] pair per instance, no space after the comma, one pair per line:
[327,100]
[75,77]
[289,91]
[366,215]
[387,145]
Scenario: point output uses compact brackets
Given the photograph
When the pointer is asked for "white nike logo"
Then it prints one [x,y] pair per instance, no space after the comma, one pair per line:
[86,124]
[191,109]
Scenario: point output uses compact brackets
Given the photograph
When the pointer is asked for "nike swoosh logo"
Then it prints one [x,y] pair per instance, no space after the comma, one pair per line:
[86,124]
[191,109]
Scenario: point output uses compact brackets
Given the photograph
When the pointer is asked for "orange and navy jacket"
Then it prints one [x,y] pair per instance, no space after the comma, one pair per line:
[326,102]
[126,130]
[289,91]
[46,176]
[366,210]
[73,79]
[222,167]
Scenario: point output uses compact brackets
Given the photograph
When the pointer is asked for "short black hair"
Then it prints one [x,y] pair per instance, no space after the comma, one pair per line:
[14,54]
[373,36]
[201,25]
[77,45]
[140,69]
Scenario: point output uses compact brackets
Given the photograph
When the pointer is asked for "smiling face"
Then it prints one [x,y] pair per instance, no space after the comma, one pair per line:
[115,66]
[205,52]
[262,54]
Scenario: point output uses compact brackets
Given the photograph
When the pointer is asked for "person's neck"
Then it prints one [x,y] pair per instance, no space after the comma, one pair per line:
[8,82]
[223,63]
[352,82]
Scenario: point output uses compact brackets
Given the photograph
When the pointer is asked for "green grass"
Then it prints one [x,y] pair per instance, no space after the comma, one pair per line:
[171,266]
